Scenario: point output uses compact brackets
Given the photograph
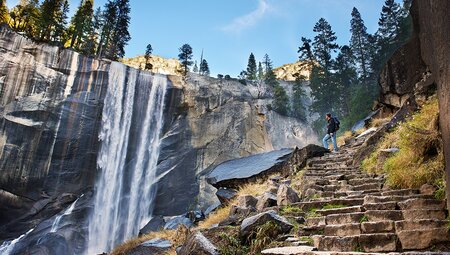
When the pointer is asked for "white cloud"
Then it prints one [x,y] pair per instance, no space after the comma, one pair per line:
[248,20]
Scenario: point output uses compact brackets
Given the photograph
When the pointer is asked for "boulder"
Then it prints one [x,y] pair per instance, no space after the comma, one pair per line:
[250,224]
[198,244]
[234,173]
[226,195]
[237,211]
[427,189]
[266,200]
[247,201]
[174,222]
[155,224]
[195,216]
[286,195]
[154,246]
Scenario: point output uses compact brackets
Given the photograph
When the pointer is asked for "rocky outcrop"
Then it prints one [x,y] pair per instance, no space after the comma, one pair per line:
[160,65]
[286,72]
[421,66]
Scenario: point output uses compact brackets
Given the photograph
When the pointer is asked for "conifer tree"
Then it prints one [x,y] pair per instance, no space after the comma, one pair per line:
[269,76]
[345,79]
[306,52]
[52,19]
[3,12]
[322,85]
[280,100]
[120,35]
[148,56]
[251,67]
[195,68]
[389,22]
[107,24]
[298,108]
[185,57]
[359,44]
[81,26]
[204,68]
[260,72]
[24,17]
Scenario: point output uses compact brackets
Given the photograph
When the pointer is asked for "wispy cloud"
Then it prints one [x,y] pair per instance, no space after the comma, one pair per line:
[248,20]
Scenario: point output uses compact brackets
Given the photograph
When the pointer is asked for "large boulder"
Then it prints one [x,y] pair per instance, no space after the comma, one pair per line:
[250,224]
[198,244]
[155,224]
[154,246]
[236,172]
[286,195]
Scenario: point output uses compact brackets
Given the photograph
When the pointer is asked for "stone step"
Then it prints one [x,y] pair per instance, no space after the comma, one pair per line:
[365,181]
[420,239]
[288,250]
[421,203]
[378,227]
[384,215]
[322,160]
[345,218]
[380,206]
[401,192]
[383,198]
[351,229]
[369,186]
[420,224]
[305,206]
[421,214]
[315,222]
[350,209]
[386,242]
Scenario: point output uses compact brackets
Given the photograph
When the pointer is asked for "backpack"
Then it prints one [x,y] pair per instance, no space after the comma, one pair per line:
[337,122]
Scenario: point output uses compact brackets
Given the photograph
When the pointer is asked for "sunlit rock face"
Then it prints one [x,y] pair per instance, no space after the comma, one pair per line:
[160,65]
[219,120]
[51,106]
[288,72]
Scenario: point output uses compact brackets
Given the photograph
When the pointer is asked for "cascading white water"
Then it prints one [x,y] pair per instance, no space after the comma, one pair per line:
[7,247]
[58,219]
[124,193]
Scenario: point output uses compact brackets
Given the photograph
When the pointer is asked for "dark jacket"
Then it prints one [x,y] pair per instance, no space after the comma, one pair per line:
[331,127]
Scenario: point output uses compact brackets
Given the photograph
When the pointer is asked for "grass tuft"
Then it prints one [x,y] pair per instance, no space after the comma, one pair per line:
[420,159]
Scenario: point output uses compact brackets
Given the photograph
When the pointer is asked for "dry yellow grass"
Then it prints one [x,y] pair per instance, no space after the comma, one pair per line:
[420,159]
[341,138]
[380,122]
[176,237]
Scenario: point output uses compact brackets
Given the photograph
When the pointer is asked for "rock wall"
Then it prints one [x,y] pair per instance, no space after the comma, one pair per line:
[51,101]
[422,66]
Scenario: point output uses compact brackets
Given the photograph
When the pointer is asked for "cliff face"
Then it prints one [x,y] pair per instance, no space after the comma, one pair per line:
[51,102]
[422,66]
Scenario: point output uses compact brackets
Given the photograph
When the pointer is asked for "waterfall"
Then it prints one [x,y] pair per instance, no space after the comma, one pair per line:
[58,219]
[132,120]
[8,246]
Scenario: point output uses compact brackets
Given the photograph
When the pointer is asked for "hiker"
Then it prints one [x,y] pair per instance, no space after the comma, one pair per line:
[332,127]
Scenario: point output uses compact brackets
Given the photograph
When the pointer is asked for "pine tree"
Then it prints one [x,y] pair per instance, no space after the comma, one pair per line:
[81,25]
[280,100]
[185,57]
[52,20]
[120,35]
[204,68]
[269,76]
[298,108]
[260,72]
[24,17]
[389,22]
[359,44]
[345,79]
[306,52]
[3,12]
[148,56]
[322,85]
[195,68]
[107,23]
[251,67]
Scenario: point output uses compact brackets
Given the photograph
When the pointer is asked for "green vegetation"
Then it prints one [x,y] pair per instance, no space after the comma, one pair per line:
[312,213]
[148,57]
[263,237]
[331,206]
[363,219]
[204,68]
[420,158]
[231,245]
[251,68]
[290,210]
[185,57]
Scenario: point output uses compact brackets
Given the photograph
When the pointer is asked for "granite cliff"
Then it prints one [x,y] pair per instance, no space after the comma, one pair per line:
[51,106]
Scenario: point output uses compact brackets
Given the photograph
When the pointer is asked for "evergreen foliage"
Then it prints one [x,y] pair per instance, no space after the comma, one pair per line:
[81,27]
[185,57]
[195,68]
[280,100]
[251,68]
[269,76]
[52,20]
[148,56]
[3,12]
[204,68]
[359,44]
[298,108]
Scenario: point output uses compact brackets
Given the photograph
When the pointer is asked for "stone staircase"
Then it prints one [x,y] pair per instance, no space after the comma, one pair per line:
[348,211]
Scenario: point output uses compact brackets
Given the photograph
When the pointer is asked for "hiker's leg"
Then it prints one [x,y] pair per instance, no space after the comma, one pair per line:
[325,141]
[334,142]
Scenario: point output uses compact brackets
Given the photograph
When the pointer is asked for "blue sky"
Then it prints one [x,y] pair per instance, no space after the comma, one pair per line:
[229,30]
